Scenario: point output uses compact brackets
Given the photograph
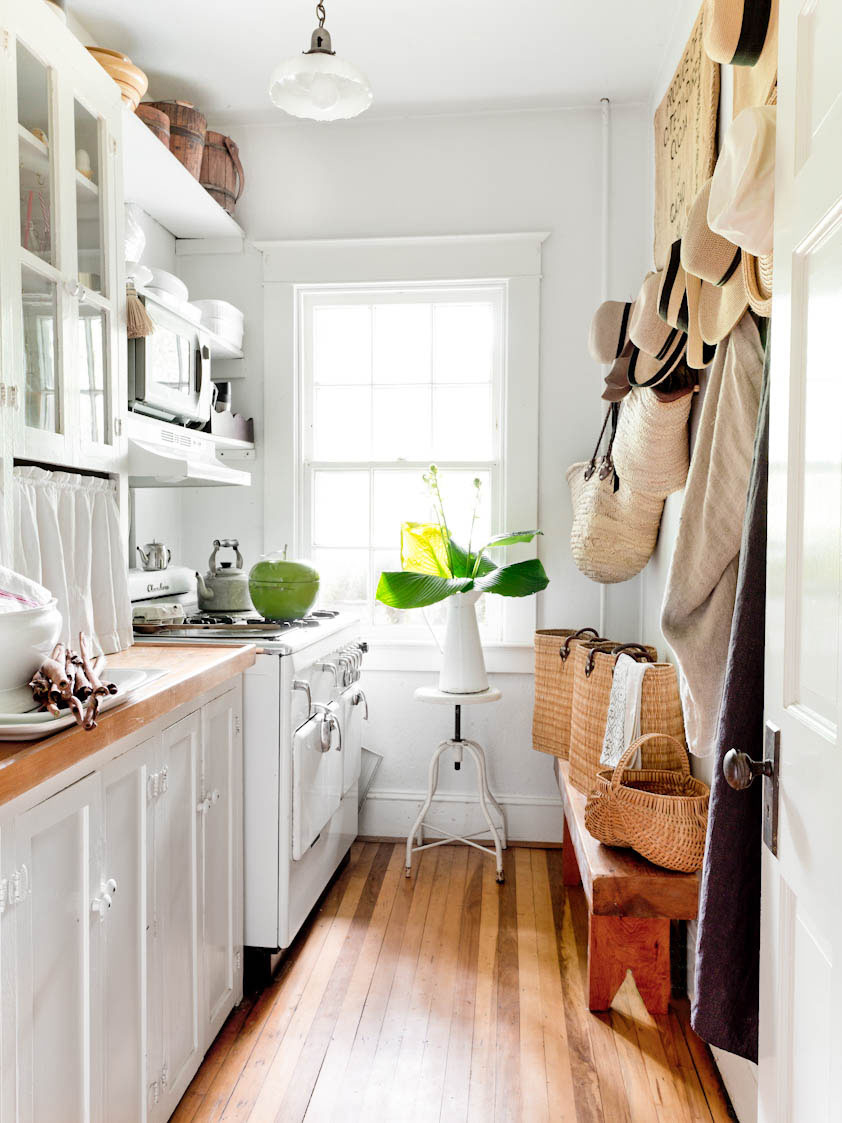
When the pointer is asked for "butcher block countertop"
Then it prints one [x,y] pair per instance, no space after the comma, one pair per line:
[190,671]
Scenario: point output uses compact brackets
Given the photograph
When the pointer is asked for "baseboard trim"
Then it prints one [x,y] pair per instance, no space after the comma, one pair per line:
[520,844]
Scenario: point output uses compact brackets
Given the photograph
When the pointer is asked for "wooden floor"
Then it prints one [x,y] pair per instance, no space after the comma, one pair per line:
[449,997]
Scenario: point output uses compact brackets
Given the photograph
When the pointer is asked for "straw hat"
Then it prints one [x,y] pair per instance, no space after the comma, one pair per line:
[609,330]
[681,382]
[674,309]
[617,384]
[658,345]
[754,84]
[715,289]
[736,31]
[742,198]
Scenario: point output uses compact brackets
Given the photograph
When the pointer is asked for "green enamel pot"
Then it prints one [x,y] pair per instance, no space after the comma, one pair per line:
[282,589]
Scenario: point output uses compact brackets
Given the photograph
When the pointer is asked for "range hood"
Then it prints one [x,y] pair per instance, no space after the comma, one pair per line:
[165,455]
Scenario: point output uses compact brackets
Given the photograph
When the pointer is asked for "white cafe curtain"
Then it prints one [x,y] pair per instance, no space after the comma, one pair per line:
[67,537]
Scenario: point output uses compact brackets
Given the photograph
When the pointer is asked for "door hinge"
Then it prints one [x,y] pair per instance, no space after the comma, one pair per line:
[118,426]
[155,925]
[4,39]
[237,725]
[19,886]
[238,959]
[153,786]
[12,397]
[4,894]
[2,394]
[165,1075]
[154,1091]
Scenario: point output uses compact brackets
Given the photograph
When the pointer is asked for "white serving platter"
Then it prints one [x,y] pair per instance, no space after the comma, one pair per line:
[35,724]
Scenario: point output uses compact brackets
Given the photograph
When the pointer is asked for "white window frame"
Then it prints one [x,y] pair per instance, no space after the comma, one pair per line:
[512,261]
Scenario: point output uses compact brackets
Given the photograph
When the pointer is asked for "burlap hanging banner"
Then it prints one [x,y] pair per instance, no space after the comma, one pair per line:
[685,140]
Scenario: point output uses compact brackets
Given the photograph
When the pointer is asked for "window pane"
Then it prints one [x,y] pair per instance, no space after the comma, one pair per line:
[88,180]
[39,338]
[462,423]
[397,497]
[458,495]
[342,344]
[464,342]
[91,366]
[343,577]
[342,423]
[340,515]
[35,155]
[402,342]
[401,423]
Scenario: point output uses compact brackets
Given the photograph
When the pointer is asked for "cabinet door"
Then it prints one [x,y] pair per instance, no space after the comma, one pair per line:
[59,925]
[125,788]
[221,849]
[176,918]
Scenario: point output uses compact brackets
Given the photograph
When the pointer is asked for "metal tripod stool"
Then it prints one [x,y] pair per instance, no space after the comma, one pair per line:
[415,838]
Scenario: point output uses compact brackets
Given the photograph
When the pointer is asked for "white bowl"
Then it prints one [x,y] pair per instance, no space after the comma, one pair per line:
[26,639]
[167,282]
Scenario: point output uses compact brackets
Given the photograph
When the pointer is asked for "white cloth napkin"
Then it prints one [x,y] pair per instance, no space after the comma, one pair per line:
[622,725]
[17,592]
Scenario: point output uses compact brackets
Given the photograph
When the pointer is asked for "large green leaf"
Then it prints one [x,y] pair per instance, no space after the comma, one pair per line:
[424,550]
[415,590]
[520,579]
[463,564]
[512,539]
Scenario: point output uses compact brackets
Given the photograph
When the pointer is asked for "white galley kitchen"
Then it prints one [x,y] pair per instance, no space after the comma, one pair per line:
[420,585]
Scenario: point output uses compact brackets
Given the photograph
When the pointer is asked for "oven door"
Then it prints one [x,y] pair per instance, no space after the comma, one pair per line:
[354,708]
[169,370]
[316,777]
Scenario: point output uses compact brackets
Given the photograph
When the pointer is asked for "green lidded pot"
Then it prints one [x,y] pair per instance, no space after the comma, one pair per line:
[281,589]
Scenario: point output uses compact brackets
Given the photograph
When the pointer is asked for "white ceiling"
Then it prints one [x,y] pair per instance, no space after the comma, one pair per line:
[421,56]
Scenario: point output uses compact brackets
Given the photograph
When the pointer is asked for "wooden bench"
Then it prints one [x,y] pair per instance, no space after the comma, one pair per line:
[630,906]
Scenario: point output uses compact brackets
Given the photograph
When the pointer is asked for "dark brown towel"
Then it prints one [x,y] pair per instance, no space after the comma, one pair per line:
[728,944]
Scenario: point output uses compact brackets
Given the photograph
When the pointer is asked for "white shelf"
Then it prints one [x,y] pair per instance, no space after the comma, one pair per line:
[35,157]
[230,442]
[220,348]
[162,186]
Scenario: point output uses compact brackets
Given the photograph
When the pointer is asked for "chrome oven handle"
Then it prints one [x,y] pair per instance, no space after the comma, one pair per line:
[303,684]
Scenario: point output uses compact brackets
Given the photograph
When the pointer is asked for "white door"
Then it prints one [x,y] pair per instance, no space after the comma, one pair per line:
[354,708]
[316,779]
[176,920]
[801,940]
[124,969]
[220,798]
[58,937]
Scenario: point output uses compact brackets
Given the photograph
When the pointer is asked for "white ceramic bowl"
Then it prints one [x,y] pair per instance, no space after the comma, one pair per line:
[167,282]
[26,639]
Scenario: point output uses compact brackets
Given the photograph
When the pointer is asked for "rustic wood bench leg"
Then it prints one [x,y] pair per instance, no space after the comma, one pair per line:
[569,866]
[617,944]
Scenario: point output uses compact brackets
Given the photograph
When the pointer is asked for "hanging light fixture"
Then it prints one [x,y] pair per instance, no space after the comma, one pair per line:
[319,85]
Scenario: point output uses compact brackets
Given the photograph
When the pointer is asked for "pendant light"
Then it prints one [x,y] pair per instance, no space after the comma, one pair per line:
[319,85]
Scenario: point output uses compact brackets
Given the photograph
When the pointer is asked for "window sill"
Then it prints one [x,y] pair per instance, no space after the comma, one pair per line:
[397,655]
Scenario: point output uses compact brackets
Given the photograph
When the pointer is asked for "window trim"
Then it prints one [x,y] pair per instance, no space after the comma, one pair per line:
[510,259]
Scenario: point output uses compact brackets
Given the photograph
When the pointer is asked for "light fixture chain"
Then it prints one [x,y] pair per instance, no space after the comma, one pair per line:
[320,12]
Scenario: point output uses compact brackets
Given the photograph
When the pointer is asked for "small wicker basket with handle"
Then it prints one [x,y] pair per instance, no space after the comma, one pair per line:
[660,813]
[554,687]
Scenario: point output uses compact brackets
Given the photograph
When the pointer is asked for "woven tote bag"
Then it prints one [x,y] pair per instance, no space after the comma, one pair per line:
[593,675]
[652,447]
[554,687]
[614,528]
[659,811]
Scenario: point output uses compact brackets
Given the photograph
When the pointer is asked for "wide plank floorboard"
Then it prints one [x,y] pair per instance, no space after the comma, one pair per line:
[453,999]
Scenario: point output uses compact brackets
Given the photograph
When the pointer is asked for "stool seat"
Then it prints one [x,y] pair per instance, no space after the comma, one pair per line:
[459,744]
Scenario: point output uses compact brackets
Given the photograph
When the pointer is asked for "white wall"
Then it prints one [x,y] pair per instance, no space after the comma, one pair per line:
[452,175]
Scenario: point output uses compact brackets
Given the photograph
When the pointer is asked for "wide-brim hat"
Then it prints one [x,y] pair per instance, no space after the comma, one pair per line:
[744,34]
[659,346]
[617,384]
[753,83]
[609,332]
[715,288]
[680,382]
[674,309]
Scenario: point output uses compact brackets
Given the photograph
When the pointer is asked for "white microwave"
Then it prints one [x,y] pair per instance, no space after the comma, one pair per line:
[170,370]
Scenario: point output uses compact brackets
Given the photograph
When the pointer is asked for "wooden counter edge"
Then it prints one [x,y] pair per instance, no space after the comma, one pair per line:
[26,764]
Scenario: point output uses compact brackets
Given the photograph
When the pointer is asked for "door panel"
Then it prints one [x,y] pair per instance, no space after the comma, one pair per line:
[316,784]
[801,917]
[58,942]
[352,710]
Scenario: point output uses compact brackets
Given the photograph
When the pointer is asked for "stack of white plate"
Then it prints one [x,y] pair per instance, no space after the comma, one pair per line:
[223,319]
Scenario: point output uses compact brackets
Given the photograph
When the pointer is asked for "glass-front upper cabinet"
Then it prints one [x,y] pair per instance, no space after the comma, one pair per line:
[61,220]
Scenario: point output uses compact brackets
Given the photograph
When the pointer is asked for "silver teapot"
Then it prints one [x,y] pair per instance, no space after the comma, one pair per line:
[154,555]
[225,587]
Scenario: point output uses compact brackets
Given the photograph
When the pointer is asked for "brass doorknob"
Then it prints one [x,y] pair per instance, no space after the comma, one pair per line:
[740,770]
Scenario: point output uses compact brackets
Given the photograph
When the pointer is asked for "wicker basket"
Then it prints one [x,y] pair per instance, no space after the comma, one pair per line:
[554,687]
[652,448]
[593,674]
[662,813]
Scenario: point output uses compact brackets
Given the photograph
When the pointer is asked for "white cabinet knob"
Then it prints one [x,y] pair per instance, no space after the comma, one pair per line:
[214,797]
[111,886]
[101,904]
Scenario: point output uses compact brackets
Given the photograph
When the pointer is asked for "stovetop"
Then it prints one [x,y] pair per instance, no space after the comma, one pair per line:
[232,628]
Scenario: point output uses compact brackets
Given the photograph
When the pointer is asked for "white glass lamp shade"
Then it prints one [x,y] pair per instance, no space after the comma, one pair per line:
[321,87]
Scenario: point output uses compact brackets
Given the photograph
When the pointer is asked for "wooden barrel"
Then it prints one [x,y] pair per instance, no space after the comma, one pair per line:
[222,173]
[187,132]
[156,121]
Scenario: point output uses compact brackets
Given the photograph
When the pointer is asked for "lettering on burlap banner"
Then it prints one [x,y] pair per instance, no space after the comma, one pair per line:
[685,140]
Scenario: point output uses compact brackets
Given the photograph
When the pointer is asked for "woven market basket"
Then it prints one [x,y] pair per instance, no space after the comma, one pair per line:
[652,446]
[554,687]
[593,675]
[662,813]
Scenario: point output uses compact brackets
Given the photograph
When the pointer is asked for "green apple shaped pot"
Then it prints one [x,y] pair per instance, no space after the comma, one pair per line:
[281,589]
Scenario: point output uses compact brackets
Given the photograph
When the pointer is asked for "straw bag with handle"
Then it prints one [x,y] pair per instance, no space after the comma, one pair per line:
[661,811]
[614,528]
[554,687]
[593,675]
[652,447]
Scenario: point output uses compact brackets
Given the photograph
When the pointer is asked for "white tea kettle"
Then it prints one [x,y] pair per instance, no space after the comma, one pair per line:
[225,587]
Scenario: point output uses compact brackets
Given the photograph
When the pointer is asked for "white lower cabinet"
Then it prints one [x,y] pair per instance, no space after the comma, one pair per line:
[121,926]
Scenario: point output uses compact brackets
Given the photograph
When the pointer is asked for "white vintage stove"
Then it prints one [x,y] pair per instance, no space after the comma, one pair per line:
[303,709]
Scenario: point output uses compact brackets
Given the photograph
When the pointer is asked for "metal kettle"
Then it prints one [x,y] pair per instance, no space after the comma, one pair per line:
[225,587]
[154,555]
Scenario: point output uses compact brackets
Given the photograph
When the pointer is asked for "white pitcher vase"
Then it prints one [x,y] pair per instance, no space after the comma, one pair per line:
[463,665]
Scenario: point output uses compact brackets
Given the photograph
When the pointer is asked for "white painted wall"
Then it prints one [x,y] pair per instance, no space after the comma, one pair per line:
[451,175]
